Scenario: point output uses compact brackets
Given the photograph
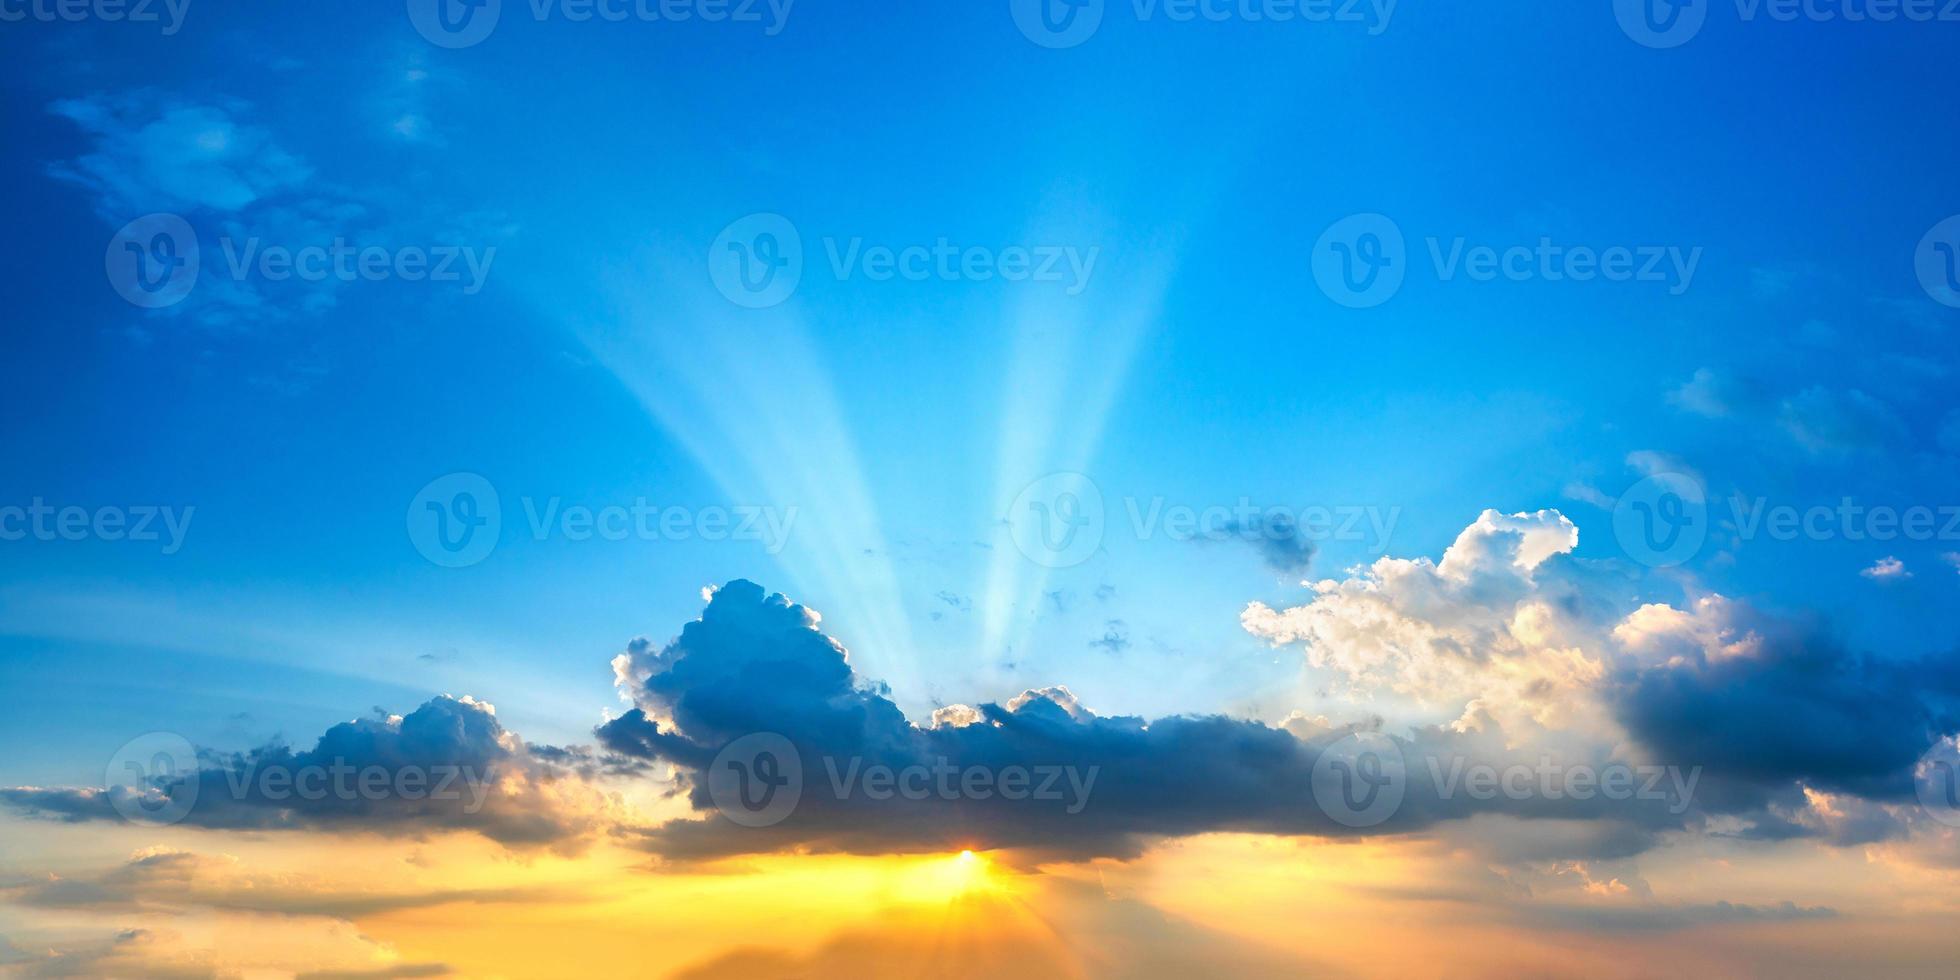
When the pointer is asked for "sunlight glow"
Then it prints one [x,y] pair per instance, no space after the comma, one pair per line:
[949,879]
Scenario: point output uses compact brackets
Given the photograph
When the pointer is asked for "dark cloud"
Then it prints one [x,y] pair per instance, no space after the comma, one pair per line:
[1747,722]
[756,663]
[448,765]
[381,973]
[1115,637]
[1789,706]
[1659,917]
[1278,540]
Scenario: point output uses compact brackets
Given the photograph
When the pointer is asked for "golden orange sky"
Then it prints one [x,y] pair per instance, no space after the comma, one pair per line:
[279,905]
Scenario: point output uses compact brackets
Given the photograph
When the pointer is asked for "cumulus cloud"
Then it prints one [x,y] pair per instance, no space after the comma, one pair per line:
[1887,569]
[1496,623]
[448,765]
[1528,656]
[756,663]
[1769,703]
[1514,635]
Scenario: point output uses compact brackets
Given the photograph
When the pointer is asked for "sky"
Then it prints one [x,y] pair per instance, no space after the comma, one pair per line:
[1206,411]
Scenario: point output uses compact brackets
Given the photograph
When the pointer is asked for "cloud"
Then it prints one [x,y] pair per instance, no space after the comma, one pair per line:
[448,765]
[254,946]
[1769,703]
[1512,635]
[379,973]
[1278,539]
[1497,623]
[153,153]
[1827,421]
[130,952]
[1653,462]
[1710,394]
[255,208]
[1887,569]
[756,663]
[1658,917]
[1589,494]
[1115,637]
[1524,654]
[163,881]
[1821,420]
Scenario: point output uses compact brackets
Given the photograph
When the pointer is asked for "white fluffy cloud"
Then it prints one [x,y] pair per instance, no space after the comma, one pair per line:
[1489,630]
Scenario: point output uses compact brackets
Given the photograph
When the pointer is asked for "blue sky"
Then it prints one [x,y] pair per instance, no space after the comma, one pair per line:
[1200,365]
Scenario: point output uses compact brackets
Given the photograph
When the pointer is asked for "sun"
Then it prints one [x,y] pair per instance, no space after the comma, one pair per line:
[944,879]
